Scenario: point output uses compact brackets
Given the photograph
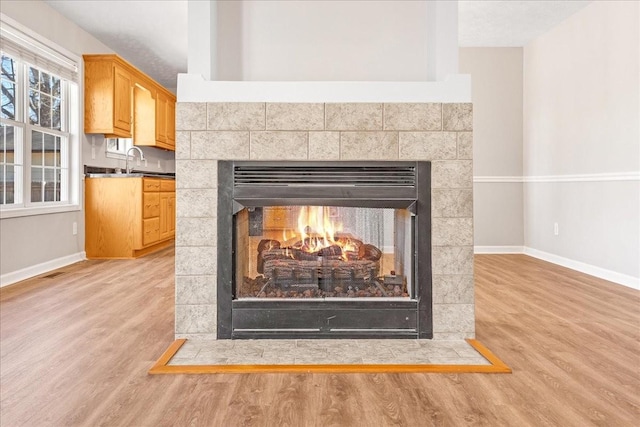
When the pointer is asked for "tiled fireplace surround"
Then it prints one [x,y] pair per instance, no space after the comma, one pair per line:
[208,132]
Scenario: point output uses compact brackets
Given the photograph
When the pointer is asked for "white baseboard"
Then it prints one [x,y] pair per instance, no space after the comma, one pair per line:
[35,270]
[498,249]
[602,273]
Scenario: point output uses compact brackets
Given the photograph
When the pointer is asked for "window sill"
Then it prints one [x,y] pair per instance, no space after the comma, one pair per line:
[40,210]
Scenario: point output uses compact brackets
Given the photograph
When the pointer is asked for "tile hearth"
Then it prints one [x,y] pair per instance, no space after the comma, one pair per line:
[327,352]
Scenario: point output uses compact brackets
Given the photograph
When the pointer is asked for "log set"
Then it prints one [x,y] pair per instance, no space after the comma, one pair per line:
[260,287]
[347,268]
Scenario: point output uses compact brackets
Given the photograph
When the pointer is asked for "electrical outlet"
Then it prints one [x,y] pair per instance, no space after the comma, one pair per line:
[137,162]
[75,228]
[159,164]
[556,229]
[93,149]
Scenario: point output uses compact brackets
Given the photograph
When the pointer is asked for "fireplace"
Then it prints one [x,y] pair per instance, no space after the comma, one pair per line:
[215,135]
[324,249]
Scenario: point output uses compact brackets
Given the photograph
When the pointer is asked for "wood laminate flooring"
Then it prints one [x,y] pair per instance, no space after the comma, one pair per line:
[75,350]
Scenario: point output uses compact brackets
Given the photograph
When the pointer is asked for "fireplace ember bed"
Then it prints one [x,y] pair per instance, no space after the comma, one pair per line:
[324,250]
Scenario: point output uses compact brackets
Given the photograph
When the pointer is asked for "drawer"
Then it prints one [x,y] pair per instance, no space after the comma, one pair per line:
[150,231]
[150,184]
[150,205]
[167,185]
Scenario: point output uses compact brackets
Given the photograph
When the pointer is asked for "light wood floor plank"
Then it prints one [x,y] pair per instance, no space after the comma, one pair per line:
[75,350]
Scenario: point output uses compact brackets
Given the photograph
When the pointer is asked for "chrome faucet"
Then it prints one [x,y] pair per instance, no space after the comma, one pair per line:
[126,167]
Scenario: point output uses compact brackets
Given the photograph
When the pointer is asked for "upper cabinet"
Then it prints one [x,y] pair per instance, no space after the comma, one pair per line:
[121,101]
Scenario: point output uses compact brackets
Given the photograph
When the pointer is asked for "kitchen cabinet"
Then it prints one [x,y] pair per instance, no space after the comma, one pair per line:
[127,217]
[144,116]
[167,215]
[121,101]
[107,103]
[165,122]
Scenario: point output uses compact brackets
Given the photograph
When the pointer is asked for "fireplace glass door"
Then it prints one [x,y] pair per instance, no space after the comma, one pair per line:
[323,252]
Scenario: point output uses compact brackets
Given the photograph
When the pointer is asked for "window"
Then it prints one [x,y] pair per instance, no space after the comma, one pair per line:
[117,147]
[39,135]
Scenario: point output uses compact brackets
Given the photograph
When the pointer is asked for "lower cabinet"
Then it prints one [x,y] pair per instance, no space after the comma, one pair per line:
[128,217]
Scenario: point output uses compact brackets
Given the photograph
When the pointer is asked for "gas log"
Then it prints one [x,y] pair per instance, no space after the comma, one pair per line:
[346,265]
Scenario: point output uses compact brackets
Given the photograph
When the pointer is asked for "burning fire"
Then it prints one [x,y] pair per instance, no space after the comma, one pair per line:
[317,231]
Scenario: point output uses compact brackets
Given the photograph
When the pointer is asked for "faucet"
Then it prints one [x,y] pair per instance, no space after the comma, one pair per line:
[126,167]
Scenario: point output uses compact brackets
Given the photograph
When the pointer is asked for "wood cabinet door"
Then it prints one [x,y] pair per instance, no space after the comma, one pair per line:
[122,99]
[161,118]
[167,215]
[172,215]
[144,114]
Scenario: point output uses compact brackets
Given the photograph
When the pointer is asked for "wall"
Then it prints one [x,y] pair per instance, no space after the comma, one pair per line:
[41,242]
[496,75]
[581,142]
[322,40]
[35,244]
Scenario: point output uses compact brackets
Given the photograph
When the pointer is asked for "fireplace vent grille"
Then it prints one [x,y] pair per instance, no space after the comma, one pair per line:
[360,176]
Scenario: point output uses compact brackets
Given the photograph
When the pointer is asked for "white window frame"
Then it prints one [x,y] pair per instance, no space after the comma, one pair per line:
[116,148]
[70,121]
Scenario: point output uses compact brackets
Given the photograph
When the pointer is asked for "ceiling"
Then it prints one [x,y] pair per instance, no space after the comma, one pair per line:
[154,39]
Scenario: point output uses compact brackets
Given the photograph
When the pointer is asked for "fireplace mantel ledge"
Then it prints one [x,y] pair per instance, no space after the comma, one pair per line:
[194,88]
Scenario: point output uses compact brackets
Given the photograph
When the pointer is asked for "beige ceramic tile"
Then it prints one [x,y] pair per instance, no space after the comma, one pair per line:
[295,116]
[452,260]
[236,116]
[353,116]
[213,145]
[279,352]
[369,145]
[195,319]
[195,290]
[452,174]
[413,116]
[457,117]
[197,173]
[279,145]
[183,145]
[451,203]
[202,336]
[196,203]
[452,232]
[465,145]
[427,145]
[196,231]
[453,289]
[453,318]
[196,260]
[191,116]
[324,145]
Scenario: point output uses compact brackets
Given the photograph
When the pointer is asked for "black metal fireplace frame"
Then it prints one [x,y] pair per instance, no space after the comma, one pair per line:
[405,185]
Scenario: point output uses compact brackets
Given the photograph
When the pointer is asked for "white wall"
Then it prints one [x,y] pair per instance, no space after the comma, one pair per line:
[34,244]
[322,40]
[496,93]
[582,136]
